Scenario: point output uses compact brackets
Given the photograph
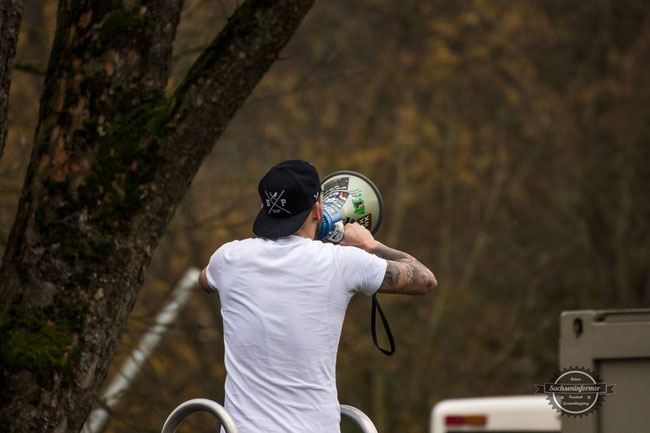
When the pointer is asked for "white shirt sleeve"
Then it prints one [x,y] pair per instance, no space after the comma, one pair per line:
[212,270]
[361,271]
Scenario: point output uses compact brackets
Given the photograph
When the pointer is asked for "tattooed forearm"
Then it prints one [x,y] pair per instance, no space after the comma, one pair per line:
[404,274]
[400,278]
[390,254]
[392,275]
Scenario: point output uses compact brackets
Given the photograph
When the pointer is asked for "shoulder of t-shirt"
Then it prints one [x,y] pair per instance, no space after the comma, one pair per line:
[348,255]
[217,258]
[229,246]
[240,243]
[366,270]
[348,250]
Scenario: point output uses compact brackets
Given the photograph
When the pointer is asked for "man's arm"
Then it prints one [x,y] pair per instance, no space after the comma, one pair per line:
[203,281]
[404,274]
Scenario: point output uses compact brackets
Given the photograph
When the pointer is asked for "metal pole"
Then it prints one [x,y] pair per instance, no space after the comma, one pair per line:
[199,404]
[99,416]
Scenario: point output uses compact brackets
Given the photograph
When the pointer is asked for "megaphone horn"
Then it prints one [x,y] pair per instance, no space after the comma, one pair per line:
[349,197]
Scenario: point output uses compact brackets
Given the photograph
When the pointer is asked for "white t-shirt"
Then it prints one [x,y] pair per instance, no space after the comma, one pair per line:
[283,302]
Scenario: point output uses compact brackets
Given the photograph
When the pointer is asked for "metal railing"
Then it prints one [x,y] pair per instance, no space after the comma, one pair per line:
[358,417]
[205,405]
[195,405]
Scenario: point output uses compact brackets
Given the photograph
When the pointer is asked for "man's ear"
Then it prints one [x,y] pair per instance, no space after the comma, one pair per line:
[315,211]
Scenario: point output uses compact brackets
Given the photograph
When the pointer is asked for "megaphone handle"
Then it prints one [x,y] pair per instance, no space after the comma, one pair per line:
[377,308]
[337,233]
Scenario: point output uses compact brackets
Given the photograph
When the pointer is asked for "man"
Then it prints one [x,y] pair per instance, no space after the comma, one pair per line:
[283,300]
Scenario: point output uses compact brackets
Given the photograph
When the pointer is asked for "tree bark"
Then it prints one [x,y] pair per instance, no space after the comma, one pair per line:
[11,12]
[112,157]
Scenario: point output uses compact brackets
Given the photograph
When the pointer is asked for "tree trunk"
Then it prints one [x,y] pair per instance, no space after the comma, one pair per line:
[111,159]
[11,12]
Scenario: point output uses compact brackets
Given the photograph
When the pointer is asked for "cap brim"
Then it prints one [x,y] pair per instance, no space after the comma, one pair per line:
[268,227]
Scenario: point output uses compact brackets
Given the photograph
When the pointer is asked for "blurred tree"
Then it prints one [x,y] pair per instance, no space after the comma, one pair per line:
[111,159]
[10,15]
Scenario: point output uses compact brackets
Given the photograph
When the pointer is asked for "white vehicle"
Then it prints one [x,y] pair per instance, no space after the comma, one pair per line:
[526,413]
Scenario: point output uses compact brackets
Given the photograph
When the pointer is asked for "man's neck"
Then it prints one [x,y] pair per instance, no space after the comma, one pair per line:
[306,231]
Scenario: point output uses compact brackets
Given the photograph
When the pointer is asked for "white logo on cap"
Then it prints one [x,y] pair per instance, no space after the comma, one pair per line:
[275,202]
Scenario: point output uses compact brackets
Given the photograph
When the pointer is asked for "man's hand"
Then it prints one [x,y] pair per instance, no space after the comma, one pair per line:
[356,235]
[404,274]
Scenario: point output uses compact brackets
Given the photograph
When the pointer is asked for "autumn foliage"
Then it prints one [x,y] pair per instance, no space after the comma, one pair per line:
[510,141]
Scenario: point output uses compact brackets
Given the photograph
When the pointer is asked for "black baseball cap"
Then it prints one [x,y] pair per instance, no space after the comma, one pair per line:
[288,192]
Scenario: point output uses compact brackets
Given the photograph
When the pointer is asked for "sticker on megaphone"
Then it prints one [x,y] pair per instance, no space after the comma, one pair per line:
[349,197]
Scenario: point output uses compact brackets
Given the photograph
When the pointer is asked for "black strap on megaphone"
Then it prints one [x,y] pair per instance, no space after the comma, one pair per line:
[376,308]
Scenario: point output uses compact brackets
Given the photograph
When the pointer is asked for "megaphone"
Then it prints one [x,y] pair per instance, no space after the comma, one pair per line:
[349,197]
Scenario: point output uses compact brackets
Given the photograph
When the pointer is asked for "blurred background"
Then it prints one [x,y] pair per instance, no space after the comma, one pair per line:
[510,141]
